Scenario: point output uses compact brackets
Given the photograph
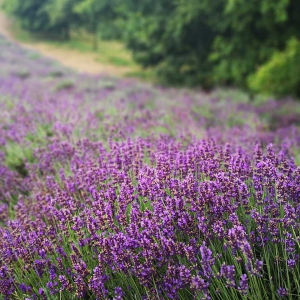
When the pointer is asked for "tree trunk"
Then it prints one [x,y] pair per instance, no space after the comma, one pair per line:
[66,33]
[95,37]
[95,41]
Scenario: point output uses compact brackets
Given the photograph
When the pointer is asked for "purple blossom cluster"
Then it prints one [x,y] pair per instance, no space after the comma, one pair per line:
[154,211]
[113,189]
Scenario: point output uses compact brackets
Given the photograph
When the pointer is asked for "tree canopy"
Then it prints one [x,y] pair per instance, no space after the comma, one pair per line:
[192,42]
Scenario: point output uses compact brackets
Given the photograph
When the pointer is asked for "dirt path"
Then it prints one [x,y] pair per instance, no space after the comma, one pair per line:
[81,62]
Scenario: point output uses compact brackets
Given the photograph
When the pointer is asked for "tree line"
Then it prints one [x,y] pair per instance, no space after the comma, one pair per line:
[253,44]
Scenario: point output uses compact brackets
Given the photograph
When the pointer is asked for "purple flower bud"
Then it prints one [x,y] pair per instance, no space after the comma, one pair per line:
[282,292]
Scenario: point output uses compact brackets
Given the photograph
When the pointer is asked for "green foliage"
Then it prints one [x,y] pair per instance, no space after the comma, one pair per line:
[164,35]
[200,42]
[62,16]
[190,42]
[23,74]
[94,13]
[48,17]
[64,85]
[249,32]
[281,74]
[17,156]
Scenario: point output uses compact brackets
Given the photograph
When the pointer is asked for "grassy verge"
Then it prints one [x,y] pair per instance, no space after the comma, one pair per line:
[110,53]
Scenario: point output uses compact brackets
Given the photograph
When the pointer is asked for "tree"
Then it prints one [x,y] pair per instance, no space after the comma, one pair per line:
[249,32]
[209,42]
[31,13]
[280,75]
[93,13]
[52,18]
[173,36]
[62,15]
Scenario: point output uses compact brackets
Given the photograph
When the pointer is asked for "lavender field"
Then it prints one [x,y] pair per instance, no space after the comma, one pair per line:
[116,189]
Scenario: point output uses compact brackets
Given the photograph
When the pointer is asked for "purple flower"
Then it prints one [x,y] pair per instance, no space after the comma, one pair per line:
[24,288]
[291,263]
[97,283]
[228,272]
[282,292]
[119,294]
[244,286]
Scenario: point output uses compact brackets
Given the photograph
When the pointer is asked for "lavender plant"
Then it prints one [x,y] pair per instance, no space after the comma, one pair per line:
[114,189]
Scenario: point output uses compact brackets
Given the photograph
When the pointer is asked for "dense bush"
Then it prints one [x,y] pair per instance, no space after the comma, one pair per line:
[281,74]
[200,42]
[48,18]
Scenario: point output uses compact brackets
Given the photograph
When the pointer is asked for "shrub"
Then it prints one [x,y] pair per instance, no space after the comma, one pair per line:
[281,74]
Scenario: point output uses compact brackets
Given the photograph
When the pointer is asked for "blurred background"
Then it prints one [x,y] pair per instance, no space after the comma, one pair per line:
[253,45]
